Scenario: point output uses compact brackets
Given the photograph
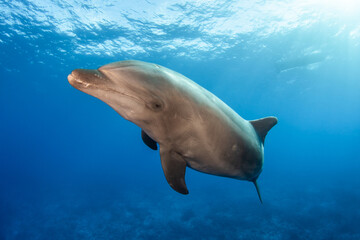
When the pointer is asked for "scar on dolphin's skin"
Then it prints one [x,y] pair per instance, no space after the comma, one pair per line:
[192,127]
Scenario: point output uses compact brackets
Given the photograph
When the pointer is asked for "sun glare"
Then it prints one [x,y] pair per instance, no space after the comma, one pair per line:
[349,8]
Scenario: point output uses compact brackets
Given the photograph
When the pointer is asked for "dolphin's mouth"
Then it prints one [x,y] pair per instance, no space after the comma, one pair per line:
[77,82]
[85,80]
[81,78]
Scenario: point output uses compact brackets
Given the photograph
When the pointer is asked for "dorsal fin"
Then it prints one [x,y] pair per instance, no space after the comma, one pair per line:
[263,125]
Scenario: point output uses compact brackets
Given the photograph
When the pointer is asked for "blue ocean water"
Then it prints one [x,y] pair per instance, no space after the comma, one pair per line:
[72,168]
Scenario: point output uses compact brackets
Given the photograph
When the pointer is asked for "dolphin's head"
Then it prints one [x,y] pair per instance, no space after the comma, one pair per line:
[132,88]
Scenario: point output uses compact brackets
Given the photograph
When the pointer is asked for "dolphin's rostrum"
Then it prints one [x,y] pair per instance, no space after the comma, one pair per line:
[192,127]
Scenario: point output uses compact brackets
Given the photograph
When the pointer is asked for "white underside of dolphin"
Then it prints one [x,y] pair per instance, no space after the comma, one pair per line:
[192,127]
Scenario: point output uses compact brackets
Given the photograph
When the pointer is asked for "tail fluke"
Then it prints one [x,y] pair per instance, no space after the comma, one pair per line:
[258,190]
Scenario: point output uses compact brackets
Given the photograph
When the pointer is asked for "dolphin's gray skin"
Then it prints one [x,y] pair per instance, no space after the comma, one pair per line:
[192,126]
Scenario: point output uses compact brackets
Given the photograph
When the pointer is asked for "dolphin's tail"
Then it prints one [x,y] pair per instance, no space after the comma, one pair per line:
[258,190]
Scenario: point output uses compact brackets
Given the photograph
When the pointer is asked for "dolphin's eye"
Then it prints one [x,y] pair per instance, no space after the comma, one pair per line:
[156,106]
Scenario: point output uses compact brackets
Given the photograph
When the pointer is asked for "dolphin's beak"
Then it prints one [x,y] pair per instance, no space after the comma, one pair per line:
[71,79]
[83,78]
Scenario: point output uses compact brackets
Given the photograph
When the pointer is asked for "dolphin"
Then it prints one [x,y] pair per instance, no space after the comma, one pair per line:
[192,127]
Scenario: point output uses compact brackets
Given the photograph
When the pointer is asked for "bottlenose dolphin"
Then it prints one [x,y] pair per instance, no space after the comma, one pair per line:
[192,127]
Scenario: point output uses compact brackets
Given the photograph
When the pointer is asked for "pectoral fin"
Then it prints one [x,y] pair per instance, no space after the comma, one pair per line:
[148,140]
[174,167]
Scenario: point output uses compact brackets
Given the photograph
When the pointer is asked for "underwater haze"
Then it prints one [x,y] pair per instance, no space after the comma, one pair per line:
[72,168]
